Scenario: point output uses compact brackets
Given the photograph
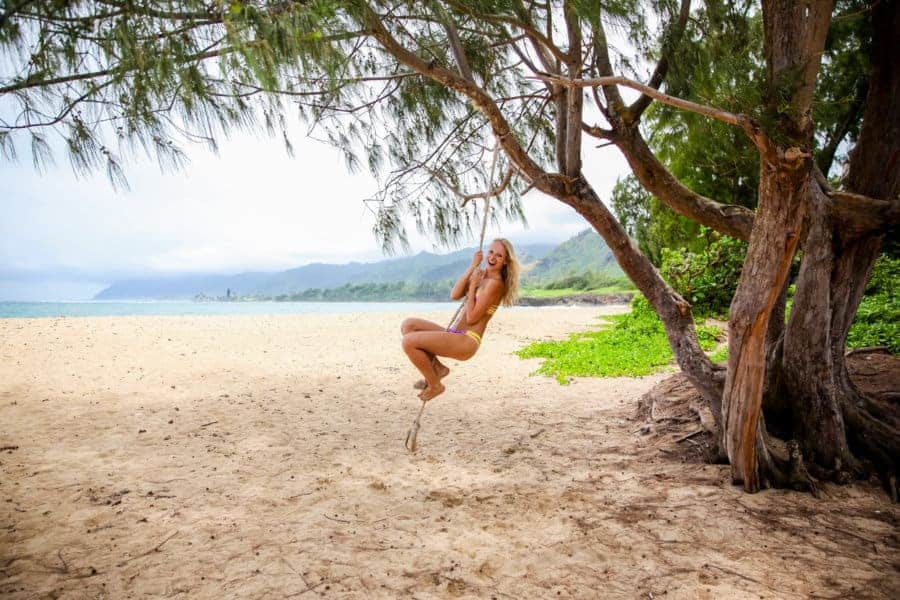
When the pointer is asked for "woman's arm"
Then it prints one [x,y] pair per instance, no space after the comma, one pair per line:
[460,287]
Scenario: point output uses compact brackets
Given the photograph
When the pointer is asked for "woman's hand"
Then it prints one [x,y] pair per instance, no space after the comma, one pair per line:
[475,279]
[477,258]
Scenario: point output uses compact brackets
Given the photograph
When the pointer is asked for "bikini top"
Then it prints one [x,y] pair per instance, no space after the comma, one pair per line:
[491,309]
[490,312]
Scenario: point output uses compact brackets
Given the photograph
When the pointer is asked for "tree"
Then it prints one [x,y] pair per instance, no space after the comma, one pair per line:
[429,88]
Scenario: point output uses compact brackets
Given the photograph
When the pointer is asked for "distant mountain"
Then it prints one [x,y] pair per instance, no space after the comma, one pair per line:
[585,252]
[542,263]
[423,267]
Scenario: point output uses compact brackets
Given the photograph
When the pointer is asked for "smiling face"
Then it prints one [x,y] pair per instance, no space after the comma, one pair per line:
[495,258]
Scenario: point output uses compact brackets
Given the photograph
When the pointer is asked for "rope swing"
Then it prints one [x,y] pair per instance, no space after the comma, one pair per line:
[413,432]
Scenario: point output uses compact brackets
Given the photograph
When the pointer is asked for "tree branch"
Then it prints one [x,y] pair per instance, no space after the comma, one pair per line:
[29,82]
[63,114]
[729,219]
[598,132]
[615,106]
[528,63]
[863,214]
[526,27]
[61,19]
[638,107]
[13,9]
[574,97]
[119,70]
[709,111]
[146,11]
[466,198]
[439,147]
[458,53]
[502,131]
[826,155]
[756,134]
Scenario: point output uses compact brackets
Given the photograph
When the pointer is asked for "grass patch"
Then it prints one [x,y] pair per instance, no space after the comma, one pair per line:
[634,344]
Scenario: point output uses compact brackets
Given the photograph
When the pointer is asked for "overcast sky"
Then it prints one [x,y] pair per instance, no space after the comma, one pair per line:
[251,207]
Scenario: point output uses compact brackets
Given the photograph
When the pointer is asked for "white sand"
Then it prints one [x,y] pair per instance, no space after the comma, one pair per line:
[262,457]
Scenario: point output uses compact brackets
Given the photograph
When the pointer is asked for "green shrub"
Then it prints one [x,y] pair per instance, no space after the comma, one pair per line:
[877,321]
[706,279]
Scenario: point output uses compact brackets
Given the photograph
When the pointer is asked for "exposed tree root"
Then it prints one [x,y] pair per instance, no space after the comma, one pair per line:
[867,350]
[876,410]
[783,467]
[877,441]
[671,408]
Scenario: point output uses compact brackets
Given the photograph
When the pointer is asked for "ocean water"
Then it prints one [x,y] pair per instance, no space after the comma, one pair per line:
[160,308]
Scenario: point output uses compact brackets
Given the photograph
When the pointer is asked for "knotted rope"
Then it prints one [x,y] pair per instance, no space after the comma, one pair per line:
[413,432]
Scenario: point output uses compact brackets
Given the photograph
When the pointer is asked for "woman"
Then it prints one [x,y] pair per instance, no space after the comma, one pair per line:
[484,289]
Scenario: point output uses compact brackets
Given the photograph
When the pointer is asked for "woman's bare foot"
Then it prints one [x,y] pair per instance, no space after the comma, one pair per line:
[431,391]
[440,369]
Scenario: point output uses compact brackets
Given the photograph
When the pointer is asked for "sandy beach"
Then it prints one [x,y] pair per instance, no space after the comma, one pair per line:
[262,457]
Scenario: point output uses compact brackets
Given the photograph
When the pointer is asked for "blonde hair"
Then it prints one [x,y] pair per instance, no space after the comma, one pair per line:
[510,273]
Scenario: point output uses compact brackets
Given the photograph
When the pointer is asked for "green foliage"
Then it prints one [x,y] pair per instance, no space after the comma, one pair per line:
[877,321]
[574,282]
[115,81]
[709,336]
[583,263]
[430,291]
[706,279]
[719,355]
[632,205]
[716,160]
[634,345]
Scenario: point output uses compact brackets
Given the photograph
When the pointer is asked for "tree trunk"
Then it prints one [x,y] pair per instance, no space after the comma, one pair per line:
[810,368]
[794,39]
[783,190]
[830,423]
[774,404]
[872,433]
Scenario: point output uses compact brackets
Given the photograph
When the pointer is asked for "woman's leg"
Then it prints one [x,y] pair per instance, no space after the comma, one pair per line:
[414,324]
[420,346]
